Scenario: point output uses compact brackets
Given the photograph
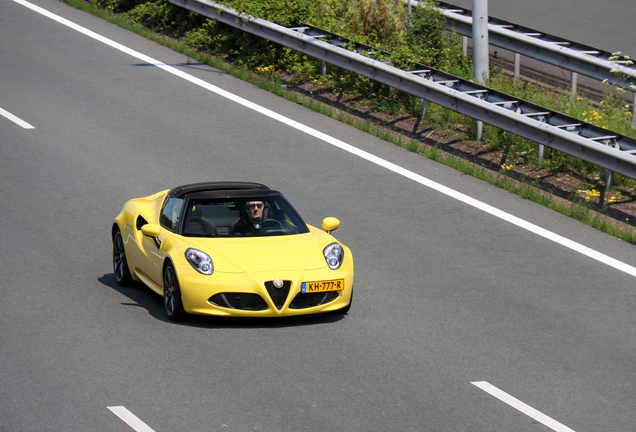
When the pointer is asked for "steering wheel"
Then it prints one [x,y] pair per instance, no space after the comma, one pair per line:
[272,226]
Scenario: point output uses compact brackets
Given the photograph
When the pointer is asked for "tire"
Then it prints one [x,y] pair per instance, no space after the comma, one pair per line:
[120,263]
[172,294]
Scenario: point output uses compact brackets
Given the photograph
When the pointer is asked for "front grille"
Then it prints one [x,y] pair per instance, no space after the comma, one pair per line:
[278,295]
[307,300]
[243,301]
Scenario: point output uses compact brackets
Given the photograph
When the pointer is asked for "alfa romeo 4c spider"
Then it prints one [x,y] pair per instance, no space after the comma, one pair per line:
[231,249]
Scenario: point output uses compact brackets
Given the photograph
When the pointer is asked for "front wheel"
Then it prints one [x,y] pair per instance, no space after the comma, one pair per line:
[172,294]
[120,263]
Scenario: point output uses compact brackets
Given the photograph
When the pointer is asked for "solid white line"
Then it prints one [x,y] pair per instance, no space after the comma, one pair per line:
[14,119]
[130,419]
[619,265]
[524,408]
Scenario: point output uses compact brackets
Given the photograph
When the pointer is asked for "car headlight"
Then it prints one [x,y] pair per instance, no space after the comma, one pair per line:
[334,254]
[200,261]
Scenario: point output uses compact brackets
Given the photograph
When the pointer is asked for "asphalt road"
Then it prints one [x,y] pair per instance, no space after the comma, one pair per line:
[608,25]
[446,294]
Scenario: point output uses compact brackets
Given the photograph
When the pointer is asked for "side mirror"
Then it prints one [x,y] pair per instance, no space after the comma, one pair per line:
[151,230]
[330,224]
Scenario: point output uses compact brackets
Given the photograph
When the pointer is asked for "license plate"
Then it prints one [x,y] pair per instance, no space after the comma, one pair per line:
[322,286]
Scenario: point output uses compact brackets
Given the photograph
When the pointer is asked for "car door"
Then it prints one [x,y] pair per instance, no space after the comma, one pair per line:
[169,220]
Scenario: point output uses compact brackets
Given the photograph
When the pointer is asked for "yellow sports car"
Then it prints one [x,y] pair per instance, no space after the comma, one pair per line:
[231,249]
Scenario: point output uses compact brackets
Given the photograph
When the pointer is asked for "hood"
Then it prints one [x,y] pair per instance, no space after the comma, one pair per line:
[259,254]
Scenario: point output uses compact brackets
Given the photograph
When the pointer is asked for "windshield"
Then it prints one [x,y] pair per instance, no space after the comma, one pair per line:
[246,217]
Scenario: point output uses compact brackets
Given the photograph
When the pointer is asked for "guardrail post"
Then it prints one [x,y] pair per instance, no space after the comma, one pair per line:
[422,108]
[575,82]
[465,45]
[608,180]
[480,48]
[517,67]
[324,68]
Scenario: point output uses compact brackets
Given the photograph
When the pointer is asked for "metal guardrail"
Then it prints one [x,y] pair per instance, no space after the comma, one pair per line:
[567,134]
[573,56]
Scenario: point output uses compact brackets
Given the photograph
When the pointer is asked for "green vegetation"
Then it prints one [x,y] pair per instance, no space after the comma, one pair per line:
[386,25]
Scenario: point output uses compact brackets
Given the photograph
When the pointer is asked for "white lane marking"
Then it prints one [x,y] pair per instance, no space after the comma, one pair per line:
[524,408]
[619,265]
[15,119]
[130,419]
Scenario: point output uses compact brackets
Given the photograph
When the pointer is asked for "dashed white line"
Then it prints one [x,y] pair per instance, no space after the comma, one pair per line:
[130,419]
[619,265]
[520,406]
[15,119]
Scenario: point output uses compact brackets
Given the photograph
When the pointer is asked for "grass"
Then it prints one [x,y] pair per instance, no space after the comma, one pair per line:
[437,115]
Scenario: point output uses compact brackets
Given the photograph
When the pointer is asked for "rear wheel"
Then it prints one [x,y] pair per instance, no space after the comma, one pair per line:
[120,264]
[172,294]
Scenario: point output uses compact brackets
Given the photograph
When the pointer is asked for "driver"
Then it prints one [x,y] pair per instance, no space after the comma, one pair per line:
[250,220]
[255,211]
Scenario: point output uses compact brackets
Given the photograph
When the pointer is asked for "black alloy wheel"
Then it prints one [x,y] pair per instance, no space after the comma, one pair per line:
[120,264]
[172,294]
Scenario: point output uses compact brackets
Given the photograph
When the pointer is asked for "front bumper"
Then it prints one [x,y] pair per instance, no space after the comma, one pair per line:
[254,295]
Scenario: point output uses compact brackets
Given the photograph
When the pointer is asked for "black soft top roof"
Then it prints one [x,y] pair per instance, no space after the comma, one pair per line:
[218,189]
